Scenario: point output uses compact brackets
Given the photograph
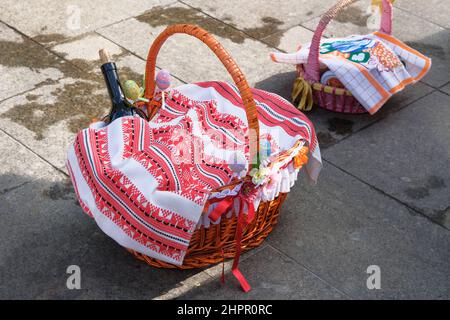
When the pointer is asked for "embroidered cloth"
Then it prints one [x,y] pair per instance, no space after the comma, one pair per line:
[372,67]
[146,183]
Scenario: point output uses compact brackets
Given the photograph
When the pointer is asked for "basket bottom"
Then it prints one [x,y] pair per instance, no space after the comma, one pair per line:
[338,103]
[211,245]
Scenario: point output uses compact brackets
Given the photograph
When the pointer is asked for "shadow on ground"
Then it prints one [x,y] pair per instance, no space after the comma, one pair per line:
[331,127]
[45,231]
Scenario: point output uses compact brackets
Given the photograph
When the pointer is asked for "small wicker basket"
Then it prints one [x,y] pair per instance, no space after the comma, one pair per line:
[212,244]
[329,97]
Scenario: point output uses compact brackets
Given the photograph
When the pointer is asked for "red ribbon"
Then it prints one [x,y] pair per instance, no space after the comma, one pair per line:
[223,207]
[222,278]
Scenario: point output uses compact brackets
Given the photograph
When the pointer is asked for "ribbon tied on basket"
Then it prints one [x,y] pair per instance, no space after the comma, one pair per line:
[260,179]
[246,198]
[302,92]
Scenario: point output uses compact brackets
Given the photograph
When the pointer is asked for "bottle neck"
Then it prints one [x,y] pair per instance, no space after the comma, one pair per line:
[111,76]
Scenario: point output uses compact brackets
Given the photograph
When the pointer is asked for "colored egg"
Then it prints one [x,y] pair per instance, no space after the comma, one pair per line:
[163,79]
[131,90]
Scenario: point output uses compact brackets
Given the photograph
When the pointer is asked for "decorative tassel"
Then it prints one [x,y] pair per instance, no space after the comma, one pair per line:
[302,90]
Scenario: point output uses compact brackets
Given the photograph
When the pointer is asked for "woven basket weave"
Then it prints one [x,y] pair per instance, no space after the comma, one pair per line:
[328,97]
[210,245]
[207,243]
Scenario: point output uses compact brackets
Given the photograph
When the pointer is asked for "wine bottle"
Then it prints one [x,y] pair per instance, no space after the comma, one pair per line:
[120,107]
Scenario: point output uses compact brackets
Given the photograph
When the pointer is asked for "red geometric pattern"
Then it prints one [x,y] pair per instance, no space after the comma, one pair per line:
[152,179]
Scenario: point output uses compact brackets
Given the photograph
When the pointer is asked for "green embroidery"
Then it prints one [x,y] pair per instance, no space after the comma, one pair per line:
[326,48]
[359,57]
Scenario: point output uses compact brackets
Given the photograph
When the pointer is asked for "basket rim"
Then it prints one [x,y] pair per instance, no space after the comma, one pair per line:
[318,86]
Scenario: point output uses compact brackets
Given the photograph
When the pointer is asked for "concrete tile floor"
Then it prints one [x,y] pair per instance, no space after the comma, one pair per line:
[382,198]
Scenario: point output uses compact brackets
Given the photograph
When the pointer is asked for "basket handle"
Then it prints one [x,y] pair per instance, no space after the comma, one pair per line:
[312,73]
[229,64]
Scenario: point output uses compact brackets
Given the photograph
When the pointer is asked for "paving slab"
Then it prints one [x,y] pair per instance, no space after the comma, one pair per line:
[24,64]
[55,104]
[184,286]
[341,226]
[427,37]
[108,271]
[186,56]
[45,231]
[203,277]
[388,205]
[435,11]
[289,40]
[331,127]
[272,275]
[406,155]
[42,228]
[446,88]
[259,18]
[19,165]
[50,22]
[47,118]
[82,51]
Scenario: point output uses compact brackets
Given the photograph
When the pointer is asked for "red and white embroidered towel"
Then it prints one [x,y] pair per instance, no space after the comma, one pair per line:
[146,183]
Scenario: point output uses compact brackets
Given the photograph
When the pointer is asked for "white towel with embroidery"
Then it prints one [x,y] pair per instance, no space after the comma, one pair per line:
[372,67]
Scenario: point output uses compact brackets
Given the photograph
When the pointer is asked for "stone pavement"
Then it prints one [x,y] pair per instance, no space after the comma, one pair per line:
[383,197]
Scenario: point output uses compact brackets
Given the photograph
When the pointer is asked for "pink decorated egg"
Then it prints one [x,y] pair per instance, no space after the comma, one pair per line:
[163,79]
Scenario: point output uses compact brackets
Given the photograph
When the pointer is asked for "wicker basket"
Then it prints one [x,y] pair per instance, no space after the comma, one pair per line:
[328,97]
[212,244]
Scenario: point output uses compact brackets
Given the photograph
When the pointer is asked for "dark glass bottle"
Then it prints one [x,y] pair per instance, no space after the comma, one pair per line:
[120,107]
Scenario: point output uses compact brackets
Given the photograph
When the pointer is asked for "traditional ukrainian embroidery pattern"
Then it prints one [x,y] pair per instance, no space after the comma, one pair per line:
[139,180]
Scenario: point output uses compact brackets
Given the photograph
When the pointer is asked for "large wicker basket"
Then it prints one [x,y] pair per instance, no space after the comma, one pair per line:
[212,244]
[328,97]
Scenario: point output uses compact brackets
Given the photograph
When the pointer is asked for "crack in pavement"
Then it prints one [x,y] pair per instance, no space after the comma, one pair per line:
[33,152]
[410,207]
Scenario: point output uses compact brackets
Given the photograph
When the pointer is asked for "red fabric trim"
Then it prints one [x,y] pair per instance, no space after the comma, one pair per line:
[223,207]
[239,228]
[244,284]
